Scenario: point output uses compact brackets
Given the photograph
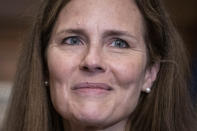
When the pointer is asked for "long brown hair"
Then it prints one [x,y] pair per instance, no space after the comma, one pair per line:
[166,108]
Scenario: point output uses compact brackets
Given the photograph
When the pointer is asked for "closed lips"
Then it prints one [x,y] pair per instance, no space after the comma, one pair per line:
[92,86]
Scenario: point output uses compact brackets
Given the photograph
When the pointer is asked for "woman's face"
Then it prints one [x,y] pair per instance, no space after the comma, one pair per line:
[97,61]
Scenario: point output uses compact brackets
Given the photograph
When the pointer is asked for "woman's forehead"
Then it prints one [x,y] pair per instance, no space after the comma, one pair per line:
[101,14]
[96,7]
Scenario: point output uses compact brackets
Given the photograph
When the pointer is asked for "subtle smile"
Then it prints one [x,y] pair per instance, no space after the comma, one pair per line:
[86,88]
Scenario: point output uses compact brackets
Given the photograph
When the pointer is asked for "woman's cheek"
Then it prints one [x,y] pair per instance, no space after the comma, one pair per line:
[128,70]
[61,64]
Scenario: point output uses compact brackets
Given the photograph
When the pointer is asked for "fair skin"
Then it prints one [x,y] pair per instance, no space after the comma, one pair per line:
[97,63]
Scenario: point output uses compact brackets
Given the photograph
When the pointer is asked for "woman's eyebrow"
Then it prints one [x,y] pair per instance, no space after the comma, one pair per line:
[108,33]
[73,31]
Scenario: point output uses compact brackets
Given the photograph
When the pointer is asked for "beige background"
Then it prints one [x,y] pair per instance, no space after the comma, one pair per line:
[15,20]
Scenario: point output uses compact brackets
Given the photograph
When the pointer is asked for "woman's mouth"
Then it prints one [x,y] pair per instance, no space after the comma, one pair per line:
[93,89]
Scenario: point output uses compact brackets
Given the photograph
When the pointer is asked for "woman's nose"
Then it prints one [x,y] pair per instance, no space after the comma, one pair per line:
[92,62]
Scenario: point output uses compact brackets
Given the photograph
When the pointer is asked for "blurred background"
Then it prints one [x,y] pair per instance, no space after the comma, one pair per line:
[16,17]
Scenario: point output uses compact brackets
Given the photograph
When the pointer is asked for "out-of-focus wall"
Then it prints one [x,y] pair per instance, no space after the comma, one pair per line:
[184,15]
[15,18]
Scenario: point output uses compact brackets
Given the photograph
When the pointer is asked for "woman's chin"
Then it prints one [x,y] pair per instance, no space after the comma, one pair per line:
[95,120]
[92,117]
[92,110]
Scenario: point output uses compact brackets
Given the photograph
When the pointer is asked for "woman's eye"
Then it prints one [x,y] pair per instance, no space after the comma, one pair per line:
[120,43]
[73,40]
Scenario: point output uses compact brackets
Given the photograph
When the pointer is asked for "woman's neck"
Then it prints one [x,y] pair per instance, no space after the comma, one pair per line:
[121,126]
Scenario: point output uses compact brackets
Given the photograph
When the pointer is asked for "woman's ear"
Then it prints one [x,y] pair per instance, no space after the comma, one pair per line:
[150,76]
